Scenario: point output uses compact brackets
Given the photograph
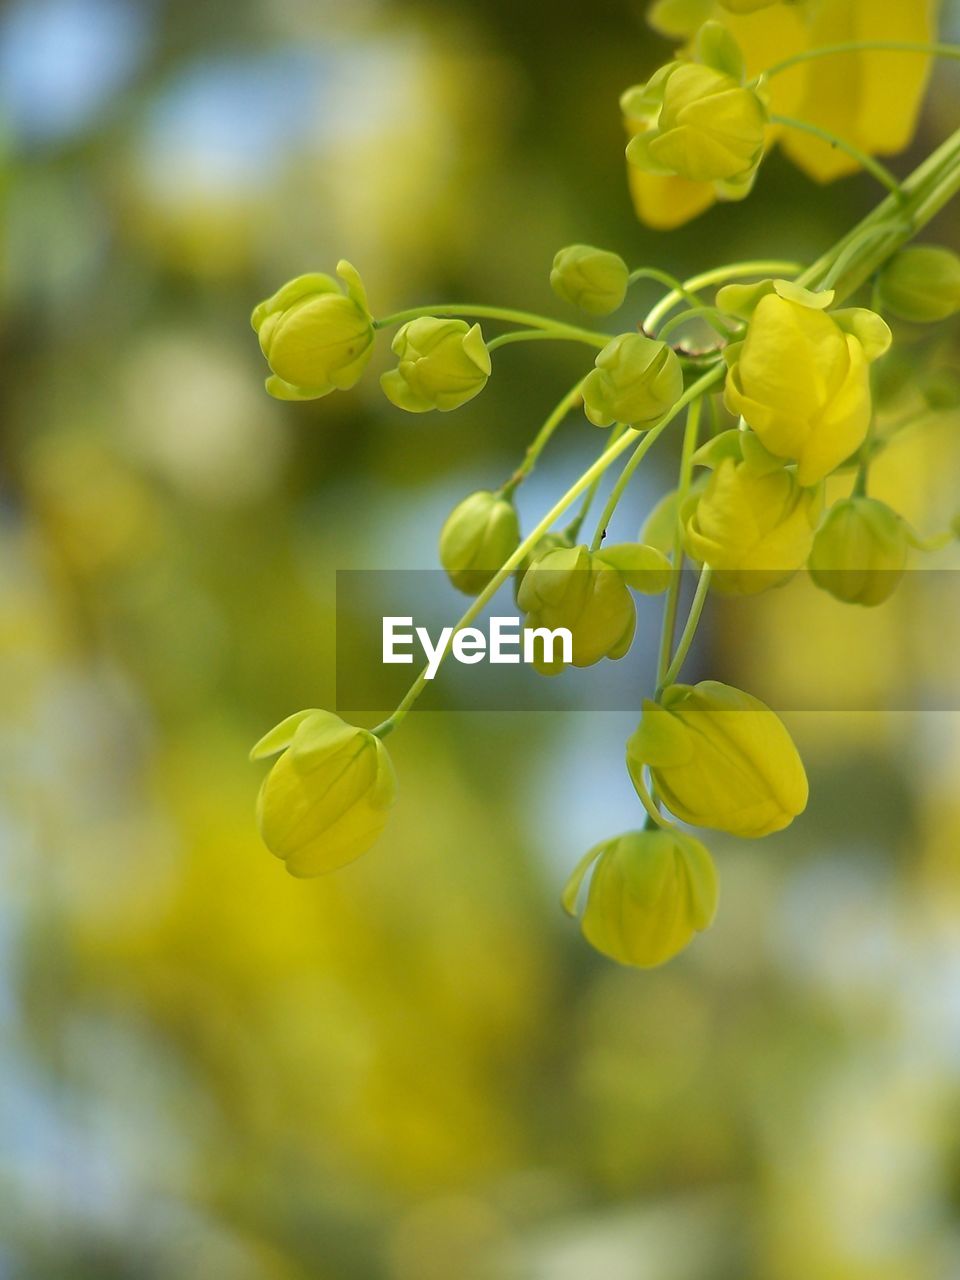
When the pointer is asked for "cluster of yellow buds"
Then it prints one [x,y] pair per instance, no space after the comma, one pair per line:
[794,371]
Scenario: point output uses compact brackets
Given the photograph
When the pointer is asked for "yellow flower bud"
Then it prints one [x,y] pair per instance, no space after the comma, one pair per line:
[443,364]
[592,279]
[755,530]
[554,541]
[921,284]
[699,122]
[801,378]
[588,593]
[325,800]
[477,537]
[860,551]
[650,892]
[635,380]
[316,337]
[720,758]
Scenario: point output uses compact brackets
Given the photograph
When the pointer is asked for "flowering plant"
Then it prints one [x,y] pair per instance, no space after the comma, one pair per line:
[786,358]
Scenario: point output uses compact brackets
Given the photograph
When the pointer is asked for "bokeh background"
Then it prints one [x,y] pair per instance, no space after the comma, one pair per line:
[414,1069]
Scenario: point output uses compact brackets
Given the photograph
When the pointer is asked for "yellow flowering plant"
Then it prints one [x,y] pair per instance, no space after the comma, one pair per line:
[790,353]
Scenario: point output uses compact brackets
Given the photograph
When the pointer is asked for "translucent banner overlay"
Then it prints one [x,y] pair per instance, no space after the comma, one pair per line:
[795,646]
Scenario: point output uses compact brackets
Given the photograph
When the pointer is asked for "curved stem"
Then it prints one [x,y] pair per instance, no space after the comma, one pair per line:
[690,437]
[936,50]
[643,448]
[712,315]
[539,442]
[665,278]
[931,186]
[542,335]
[572,530]
[507,314]
[618,490]
[871,165]
[648,802]
[849,254]
[719,275]
[609,455]
[689,631]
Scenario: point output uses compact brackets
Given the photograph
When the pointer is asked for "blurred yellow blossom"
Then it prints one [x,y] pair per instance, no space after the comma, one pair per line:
[870,98]
[860,551]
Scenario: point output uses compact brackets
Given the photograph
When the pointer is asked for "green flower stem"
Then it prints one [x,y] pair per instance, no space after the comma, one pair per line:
[712,315]
[648,802]
[844,260]
[646,444]
[690,439]
[931,186]
[719,275]
[665,278]
[541,335]
[871,165]
[540,440]
[555,327]
[572,530]
[689,631]
[580,486]
[860,46]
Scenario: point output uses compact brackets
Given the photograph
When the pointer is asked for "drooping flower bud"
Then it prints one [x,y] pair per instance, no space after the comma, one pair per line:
[699,121]
[316,337]
[477,537]
[443,364]
[635,380]
[860,551]
[650,892]
[720,758]
[755,529]
[325,800]
[801,380]
[921,284]
[587,593]
[592,279]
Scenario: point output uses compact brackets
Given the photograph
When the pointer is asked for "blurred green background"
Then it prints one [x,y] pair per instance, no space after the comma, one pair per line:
[413,1069]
